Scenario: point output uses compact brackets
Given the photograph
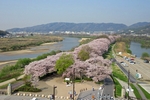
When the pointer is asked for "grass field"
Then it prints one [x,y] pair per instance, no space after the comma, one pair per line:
[121,47]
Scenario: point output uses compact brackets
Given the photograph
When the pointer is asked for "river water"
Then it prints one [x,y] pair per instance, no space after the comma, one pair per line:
[137,50]
[67,44]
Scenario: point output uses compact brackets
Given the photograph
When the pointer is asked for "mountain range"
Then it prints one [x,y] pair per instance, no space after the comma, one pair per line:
[87,27]
[139,30]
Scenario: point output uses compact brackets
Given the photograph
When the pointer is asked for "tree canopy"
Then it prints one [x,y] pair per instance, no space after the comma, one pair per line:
[84,53]
[95,67]
[64,62]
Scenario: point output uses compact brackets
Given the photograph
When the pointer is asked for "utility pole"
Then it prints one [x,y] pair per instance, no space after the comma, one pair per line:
[73,83]
[54,87]
[128,82]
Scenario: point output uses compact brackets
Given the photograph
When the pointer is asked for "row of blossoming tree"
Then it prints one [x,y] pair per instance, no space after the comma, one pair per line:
[93,65]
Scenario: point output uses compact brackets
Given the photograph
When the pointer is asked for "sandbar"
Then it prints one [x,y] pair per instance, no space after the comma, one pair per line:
[82,39]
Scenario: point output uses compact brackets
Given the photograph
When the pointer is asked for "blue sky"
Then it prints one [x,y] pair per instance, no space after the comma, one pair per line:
[24,13]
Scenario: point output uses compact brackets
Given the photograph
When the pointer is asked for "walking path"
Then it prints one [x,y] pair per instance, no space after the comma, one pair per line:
[125,85]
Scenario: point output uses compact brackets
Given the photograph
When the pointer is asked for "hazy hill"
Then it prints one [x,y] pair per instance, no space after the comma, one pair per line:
[3,33]
[62,26]
[139,24]
[138,29]
[142,30]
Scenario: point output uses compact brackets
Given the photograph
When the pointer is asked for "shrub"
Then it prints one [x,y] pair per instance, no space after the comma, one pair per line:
[87,79]
[28,88]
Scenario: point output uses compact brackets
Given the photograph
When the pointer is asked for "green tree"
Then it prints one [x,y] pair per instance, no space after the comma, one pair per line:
[22,62]
[84,53]
[63,63]
[45,55]
[26,78]
[145,54]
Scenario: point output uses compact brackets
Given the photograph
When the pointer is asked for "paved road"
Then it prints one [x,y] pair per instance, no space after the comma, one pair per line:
[108,89]
[132,79]
[87,95]
[102,92]
[143,68]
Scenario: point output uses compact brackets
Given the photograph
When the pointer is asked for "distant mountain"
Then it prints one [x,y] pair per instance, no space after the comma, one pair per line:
[138,29]
[142,30]
[62,26]
[3,33]
[139,24]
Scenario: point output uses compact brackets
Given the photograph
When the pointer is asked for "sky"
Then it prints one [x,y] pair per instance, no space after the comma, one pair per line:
[26,13]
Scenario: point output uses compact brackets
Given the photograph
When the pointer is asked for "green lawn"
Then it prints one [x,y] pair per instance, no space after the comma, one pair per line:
[145,92]
[118,88]
[137,94]
[118,73]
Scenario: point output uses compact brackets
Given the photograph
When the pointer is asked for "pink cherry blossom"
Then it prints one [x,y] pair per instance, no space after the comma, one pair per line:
[96,67]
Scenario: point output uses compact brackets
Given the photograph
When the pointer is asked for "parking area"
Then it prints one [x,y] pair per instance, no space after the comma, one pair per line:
[139,66]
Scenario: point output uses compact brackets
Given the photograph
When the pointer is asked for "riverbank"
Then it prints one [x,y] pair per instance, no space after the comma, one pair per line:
[20,43]
[19,52]
[37,49]
[6,62]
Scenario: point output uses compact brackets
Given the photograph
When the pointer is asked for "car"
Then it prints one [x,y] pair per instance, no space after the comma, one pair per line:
[34,98]
[128,59]
[131,62]
[111,98]
[146,61]
[123,63]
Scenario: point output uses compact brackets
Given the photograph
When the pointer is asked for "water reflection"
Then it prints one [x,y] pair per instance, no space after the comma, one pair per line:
[137,50]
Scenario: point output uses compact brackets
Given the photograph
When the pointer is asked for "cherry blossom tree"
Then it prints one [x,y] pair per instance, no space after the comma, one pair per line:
[96,67]
[92,68]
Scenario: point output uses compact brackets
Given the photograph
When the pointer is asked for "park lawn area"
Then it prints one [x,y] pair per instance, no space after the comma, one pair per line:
[145,92]
[121,47]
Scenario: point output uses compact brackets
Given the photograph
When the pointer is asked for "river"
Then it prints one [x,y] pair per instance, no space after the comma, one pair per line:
[67,44]
[137,50]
